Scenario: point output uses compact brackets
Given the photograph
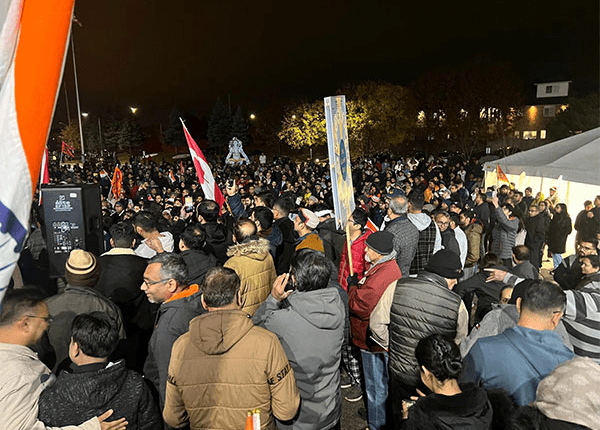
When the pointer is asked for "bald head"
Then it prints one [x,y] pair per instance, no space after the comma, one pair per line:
[244,229]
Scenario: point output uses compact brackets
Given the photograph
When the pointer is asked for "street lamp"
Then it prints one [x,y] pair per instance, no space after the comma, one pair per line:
[252,116]
[133,109]
[293,116]
[84,114]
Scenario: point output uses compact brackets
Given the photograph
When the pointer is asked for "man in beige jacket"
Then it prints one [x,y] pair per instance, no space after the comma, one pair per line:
[251,260]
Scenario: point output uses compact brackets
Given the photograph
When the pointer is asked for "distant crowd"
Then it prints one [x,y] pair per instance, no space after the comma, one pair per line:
[434,311]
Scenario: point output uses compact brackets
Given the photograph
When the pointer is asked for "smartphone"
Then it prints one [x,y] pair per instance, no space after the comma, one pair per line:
[189,203]
[490,194]
[291,285]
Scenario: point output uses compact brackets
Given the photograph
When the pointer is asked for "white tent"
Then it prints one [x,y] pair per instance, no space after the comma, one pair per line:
[572,165]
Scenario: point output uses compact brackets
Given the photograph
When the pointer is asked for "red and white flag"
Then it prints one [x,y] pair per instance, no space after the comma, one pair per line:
[33,39]
[371,226]
[205,176]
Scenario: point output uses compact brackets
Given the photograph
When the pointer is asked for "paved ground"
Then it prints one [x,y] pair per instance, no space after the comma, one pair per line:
[350,418]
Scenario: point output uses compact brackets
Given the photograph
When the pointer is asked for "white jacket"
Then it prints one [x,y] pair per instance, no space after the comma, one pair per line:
[22,380]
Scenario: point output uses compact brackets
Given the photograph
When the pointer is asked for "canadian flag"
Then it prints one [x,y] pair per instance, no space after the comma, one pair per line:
[205,176]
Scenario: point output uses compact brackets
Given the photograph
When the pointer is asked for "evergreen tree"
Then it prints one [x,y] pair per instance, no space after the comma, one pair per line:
[173,135]
[219,126]
[239,126]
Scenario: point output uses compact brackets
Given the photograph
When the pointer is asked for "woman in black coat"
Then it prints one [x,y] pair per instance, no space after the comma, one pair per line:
[560,228]
[450,406]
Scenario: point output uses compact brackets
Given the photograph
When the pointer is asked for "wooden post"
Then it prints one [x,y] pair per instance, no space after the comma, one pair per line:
[349,246]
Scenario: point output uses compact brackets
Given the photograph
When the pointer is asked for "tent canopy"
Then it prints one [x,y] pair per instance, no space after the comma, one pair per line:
[576,159]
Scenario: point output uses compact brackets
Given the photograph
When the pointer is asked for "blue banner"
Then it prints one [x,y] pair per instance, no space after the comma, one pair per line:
[339,159]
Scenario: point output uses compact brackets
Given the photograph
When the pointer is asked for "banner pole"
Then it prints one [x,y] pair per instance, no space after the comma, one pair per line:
[349,245]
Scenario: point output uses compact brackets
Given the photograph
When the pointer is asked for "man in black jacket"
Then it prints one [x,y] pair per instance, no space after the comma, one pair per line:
[198,261]
[536,235]
[120,278]
[92,384]
[218,236]
[281,209]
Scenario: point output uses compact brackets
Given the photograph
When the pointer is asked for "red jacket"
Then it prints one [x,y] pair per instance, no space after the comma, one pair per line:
[358,260]
[363,299]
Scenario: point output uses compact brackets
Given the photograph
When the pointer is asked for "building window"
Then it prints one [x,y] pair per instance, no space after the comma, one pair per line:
[529,135]
[542,134]
[549,111]
[548,89]
[517,134]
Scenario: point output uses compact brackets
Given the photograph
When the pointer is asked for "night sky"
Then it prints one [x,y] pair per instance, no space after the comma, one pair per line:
[159,54]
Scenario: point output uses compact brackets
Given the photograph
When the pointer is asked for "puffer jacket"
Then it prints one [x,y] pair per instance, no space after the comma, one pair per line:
[504,234]
[422,306]
[363,299]
[469,410]
[76,397]
[172,320]
[225,366]
[218,239]
[359,263]
[310,326]
[473,233]
[254,265]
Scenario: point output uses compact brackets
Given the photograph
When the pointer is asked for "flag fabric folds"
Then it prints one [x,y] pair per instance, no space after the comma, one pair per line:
[33,40]
[205,176]
[67,149]
[115,185]
[501,176]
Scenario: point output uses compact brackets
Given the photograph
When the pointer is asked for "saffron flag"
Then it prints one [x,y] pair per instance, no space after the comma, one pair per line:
[33,40]
[67,149]
[182,170]
[205,176]
[115,184]
[371,226]
[171,176]
[500,175]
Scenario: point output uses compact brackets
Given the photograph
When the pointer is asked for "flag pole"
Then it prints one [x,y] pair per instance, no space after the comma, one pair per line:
[349,245]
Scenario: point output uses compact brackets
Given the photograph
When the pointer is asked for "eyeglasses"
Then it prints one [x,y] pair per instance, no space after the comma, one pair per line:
[48,319]
[155,282]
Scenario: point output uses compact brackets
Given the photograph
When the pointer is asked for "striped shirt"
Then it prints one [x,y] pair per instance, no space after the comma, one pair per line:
[582,321]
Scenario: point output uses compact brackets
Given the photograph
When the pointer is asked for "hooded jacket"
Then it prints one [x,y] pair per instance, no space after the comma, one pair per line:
[469,410]
[197,263]
[253,263]
[225,366]
[473,232]
[218,239]
[504,234]
[310,327]
[172,320]
[430,241]
[75,397]
[515,360]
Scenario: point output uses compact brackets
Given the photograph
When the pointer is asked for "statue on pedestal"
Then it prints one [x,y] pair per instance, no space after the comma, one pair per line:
[236,155]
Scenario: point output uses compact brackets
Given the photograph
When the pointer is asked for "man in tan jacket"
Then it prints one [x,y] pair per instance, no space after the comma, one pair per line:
[225,366]
[251,260]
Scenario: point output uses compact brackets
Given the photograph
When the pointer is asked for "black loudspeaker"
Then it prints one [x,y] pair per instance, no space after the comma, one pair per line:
[73,220]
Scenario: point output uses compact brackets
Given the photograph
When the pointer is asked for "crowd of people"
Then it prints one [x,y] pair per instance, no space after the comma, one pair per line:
[430,307]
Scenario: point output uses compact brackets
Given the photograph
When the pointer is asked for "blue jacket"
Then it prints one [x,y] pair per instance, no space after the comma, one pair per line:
[515,360]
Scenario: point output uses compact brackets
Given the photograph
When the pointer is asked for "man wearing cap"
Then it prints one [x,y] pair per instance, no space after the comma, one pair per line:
[305,223]
[363,297]
[82,272]
[406,235]
[417,308]
[553,198]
